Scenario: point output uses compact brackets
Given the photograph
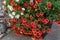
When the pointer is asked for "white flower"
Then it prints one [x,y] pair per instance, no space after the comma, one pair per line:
[23,9]
[11,16]
[17,16]
[10,8]
[4,2]
[13,13]
[22,13]
[17,0]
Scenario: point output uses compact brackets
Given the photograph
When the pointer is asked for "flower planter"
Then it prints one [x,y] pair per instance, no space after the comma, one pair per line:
[32,17]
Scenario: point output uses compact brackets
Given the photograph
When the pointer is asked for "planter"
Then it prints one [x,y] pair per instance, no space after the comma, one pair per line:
[31,17]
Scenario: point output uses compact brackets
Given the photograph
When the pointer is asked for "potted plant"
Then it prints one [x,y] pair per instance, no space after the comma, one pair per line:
[32,17]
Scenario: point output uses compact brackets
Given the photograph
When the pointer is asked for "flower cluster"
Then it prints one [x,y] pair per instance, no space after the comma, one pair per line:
[31,17]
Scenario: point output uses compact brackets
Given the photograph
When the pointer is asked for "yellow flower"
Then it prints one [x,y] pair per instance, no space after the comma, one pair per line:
[28,10]
[35,9]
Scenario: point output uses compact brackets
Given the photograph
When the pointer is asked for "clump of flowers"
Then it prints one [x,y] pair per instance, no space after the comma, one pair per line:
[31,17]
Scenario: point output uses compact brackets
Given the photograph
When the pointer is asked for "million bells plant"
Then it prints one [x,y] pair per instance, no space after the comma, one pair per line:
[30,17]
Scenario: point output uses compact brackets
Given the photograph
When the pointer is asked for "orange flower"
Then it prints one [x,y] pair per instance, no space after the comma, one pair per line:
[41,13]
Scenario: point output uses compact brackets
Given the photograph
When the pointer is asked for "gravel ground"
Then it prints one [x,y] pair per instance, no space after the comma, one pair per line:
[54,35]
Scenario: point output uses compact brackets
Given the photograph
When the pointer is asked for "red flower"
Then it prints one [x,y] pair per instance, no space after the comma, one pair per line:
[36,21]
[17,33]
[21,28]
[27,24]
[26,4]
[43,30]
[38,34]
[33,31]
[6,11]
[14,20]
[14,27]
[23,24]
[19,8]
[48,31]
[37,14]
[12,3]
[30,33]
[15,8]
[26,33]
[49,5]
[31,3]
[51,21]
[24,20]
[58,23]
[39,26]
[42,19]
[34,6]
[39,0]
[46,21]
[33,25]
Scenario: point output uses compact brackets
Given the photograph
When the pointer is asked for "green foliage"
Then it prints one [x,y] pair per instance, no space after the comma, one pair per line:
[18,25]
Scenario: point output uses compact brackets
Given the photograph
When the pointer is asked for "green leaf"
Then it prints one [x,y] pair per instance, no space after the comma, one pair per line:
[18,12]
[7,2]
[18,25]
[39,4]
